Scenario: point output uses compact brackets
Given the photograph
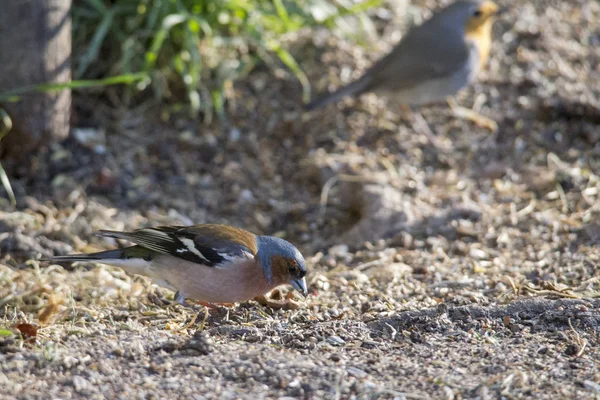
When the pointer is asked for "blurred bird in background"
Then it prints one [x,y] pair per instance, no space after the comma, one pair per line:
[432,61]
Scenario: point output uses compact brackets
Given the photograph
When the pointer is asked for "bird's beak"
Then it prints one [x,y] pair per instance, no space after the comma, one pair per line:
[300,285]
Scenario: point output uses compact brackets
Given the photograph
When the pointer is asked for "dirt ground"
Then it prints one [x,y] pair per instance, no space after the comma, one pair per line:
[466,270]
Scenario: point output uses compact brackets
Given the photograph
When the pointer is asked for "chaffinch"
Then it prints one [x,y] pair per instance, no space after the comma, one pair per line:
[209,263]
[432,61]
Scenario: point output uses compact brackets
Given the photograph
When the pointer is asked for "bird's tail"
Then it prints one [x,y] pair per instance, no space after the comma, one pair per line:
[134,259]
[355,88]
[98,257]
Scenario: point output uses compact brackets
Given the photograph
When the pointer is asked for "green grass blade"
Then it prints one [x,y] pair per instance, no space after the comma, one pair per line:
[127,79]
[189,41]
[167,24]
[283,14]
[291,63]
[98,6]
[94,47]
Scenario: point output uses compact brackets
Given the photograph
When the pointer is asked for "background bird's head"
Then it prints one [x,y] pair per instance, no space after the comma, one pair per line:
[472,16]
[480,16]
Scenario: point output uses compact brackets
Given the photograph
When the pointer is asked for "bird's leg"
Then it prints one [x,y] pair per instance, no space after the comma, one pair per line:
[472,115]
[180,298]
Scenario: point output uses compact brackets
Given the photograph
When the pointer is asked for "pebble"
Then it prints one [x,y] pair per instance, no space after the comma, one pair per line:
[477,253]
[69,362]
[339,250]
[80,384]
[336,340]
[235,134]
[94,139]
[593,386]
[358,373]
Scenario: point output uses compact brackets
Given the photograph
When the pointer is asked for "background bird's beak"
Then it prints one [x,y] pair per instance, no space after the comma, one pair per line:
[300,285]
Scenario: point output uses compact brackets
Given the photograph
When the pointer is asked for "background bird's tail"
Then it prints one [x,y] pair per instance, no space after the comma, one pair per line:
[355,88]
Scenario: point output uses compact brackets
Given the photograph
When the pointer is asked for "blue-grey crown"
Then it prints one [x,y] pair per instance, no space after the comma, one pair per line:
[269,246]
[457,14]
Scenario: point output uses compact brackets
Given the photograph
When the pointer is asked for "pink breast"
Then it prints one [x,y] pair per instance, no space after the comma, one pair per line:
[240,282]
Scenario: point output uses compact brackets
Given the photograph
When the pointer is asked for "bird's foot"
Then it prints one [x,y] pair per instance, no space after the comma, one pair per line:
[275,301]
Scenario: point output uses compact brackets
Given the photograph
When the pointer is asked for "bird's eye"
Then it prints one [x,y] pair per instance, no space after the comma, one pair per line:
[296,271]
[293,269]
[477,13]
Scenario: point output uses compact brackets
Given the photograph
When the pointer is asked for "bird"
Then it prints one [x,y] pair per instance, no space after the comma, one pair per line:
[432,61]
[210,263]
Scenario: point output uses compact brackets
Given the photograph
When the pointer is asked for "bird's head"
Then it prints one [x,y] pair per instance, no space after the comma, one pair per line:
[282,262]
[472,20]
[467,15]
[479,16]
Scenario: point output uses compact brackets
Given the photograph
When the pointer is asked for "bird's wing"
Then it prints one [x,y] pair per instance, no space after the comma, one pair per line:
[405,67]
[211,245]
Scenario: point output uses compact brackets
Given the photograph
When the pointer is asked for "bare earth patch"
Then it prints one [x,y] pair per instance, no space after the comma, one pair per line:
[464,271]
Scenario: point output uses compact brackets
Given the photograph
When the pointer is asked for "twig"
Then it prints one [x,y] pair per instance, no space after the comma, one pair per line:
[363,266]
[555,292]
[582,343]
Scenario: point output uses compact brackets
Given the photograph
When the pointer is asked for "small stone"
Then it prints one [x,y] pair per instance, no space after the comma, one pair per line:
[358,373]
[200,342]
[294,384]
[340,250]
[80,384]
[370,385]
[572,349]
[69,362]
[93,139]
[336,340]
[477,253]
[389,271]
[234,134]
[246,196]
[593,386]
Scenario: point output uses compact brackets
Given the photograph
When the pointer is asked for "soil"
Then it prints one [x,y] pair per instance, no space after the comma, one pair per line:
[463,270]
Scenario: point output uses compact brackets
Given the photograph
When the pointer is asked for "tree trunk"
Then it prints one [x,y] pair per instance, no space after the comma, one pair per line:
[35,47]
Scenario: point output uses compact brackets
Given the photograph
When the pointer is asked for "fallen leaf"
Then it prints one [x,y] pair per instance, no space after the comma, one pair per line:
[28,331]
